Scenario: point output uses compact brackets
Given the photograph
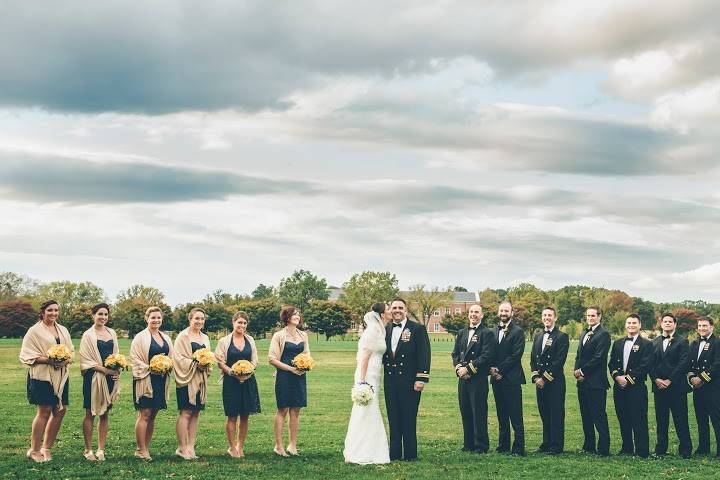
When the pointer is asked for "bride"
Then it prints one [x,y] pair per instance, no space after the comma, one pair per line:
[365,441]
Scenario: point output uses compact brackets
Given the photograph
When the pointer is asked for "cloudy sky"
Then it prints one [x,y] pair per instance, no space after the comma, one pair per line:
[221,144]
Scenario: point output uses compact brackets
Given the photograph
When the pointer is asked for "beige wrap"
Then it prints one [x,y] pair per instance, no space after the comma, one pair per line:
[187,373]
[36,343]
[222,349]
[140,362]
[100,395]
[277,344]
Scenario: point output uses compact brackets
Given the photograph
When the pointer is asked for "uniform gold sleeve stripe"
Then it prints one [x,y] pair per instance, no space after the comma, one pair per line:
[548,376]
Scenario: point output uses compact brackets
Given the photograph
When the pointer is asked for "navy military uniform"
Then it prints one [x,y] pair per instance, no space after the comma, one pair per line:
[591,359]
[631,402]
[671,363]
[508,390]
[475,350]
[705,364]
[409,363]
[547,362]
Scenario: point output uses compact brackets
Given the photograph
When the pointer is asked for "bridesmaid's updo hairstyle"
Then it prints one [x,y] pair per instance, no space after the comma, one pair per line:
[44,306]
[151,310]
[194,311]
[286,314]
[378,307]
[241,314]
[97,307]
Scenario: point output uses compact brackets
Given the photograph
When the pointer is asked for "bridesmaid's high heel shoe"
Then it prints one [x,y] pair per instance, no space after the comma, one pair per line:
[280,452]
[89,455]
[100,455]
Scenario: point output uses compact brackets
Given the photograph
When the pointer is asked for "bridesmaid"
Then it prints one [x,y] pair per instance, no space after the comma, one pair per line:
[47,382]
[191,383]
[100,384]
[150,391]
[290,382]
[240,393]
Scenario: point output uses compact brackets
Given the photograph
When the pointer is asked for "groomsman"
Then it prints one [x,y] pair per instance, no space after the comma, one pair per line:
[704,378]
[507,380]
[629,365]
[671,361]
[547,360]
[592,382]
[473,353]
[407,370]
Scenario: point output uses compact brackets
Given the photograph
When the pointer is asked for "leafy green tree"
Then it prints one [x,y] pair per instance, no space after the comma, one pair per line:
[686,320]
[16,316]
[13,286]
[528,302]
[328,318]
[364,289]
[264,315]
[646,310]
[148,295]
[458,288]
[422,303]
[569,303]
[70,295]
[490,301]
[453,323]
[262,291]
[133,316]
[79,320]
[300,288]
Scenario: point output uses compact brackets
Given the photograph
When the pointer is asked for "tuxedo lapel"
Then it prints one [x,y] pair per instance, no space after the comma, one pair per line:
[388,339]
[537,346]
[473,340]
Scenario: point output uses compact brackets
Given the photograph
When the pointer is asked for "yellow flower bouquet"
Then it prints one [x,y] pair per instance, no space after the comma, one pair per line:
[243,369]
[116,361]
[204,357]
[304,362]
[59,353]
[161,364]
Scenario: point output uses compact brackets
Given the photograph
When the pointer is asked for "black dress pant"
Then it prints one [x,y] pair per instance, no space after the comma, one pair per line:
[551,404]
[473,395]
[631,407]
[706,401]
[402,403]
[508,404]
[594,417]
[666,402]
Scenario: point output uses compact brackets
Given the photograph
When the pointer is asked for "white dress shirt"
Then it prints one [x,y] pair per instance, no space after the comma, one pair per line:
[700,350]
[666,341]
[586,337]
[627,348]
[396,332]
[473,333]
[545,339]
[501,335]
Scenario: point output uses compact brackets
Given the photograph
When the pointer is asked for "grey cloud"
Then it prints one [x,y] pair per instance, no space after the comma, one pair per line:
[167,56]
[44,178]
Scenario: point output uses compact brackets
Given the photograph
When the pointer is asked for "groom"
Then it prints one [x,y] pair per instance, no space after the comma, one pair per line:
[407,370]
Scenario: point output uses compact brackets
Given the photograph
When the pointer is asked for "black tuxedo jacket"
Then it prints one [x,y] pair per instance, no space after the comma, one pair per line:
[639,361]
[549,363]
[591,359]
[508,355]
[478,355]
[672,364]
[411,360]
[707,367]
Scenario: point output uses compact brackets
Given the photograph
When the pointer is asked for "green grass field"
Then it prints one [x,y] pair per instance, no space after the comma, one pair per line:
[323,426]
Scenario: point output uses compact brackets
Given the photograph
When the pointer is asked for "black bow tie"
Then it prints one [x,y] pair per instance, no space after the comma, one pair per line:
[704,339]
[472,328]
[667,336]
[629,339]
[589,329]
[503,327]
[397,325]
[548,331]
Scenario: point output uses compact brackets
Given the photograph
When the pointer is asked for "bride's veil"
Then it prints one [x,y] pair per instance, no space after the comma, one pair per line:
[373,338]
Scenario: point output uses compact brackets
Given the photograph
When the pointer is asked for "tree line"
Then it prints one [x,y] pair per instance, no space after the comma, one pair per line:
[21,295]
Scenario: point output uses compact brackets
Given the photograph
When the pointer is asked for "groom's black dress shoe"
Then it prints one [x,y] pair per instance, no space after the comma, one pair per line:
[502,449]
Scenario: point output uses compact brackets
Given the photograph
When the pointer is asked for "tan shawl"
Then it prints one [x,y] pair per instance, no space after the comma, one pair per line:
[277,344]
[100,395]
[222,349]
[36,343]
[187,373]
[140,362]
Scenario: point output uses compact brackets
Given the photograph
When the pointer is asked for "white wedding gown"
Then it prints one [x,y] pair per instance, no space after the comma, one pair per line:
[365,441]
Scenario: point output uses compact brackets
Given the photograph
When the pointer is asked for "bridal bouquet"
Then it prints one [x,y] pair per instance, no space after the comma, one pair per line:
[204,357]
[116,361]
[362,394]
[304,362]
[161,364]
[243,369]
[59,353]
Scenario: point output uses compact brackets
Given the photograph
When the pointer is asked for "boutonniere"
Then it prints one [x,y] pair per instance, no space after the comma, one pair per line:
[549,342]
[474,338]
[635,348]
[405,337]
[707,346]
[590,334]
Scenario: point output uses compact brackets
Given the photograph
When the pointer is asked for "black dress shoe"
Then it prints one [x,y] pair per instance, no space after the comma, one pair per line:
[702,452]
[502,449]
[603,453]
[554,452]
[586,451]
[685,455]
[518,453]
[481,450]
